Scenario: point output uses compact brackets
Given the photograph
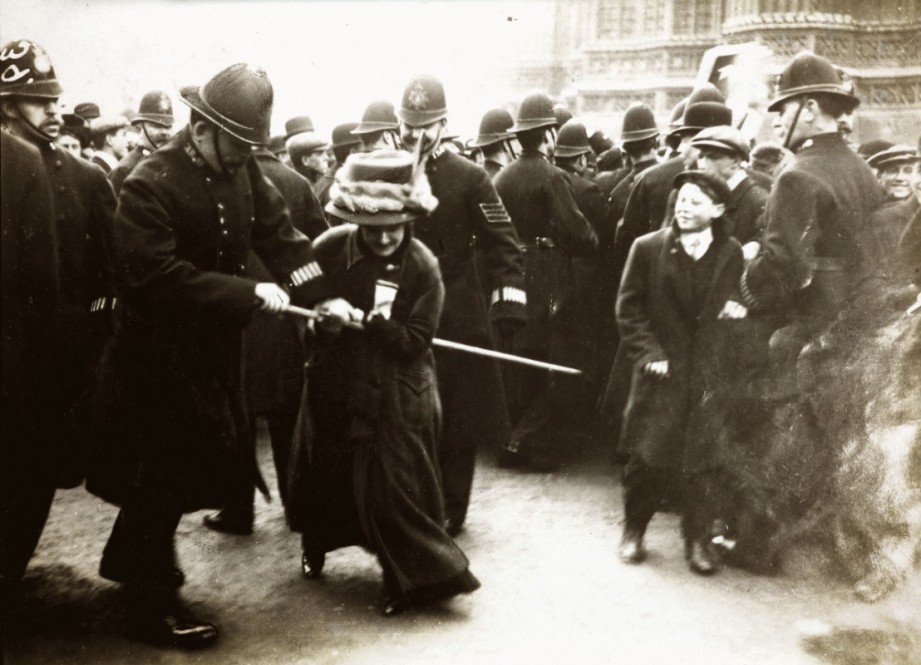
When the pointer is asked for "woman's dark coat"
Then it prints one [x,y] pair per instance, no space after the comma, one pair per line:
[675,421]
[362,469]
[169,419]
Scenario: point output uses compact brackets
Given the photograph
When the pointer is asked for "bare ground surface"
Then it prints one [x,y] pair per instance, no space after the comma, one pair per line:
[544,547]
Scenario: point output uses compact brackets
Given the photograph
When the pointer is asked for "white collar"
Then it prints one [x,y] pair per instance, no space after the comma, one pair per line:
[735,179]
[697,243]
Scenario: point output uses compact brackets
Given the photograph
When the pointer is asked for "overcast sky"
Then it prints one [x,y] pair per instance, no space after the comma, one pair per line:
[326,59]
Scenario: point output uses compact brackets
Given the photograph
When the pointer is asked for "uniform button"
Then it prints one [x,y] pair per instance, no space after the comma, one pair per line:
[207,179]
[62,189]
[224,232]
[58,163]
[220,206]
[223,221]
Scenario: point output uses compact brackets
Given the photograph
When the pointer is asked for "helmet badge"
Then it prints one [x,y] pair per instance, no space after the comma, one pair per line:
[417,99]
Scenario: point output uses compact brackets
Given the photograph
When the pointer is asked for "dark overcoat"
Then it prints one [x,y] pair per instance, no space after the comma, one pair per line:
[363,468]
[675,422]
[125,166]
[169,421]
[275,353]
[745,209]
[30,302]
[539,198]
[815,240]
[887,226]
[646,205]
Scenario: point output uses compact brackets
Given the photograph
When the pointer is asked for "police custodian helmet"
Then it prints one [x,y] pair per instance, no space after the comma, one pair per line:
[27,70]
[237,99]
[423,102]
[808,73]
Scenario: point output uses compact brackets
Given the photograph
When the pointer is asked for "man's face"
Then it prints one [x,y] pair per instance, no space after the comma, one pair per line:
[118,143]
[896,179]
[717,162]
[694,209]
[383,240]
[784,126]
[156,134]
[429,134]
[316,161]
[688,152]
[220,149]
[69,143]
[45,114]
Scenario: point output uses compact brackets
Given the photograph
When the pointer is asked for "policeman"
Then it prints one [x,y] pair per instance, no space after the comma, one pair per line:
[540,201]
[571,155]
[82,208]
[495,141]
[378,128]
[154,121]
[170,424]
[812,257]
[473,400]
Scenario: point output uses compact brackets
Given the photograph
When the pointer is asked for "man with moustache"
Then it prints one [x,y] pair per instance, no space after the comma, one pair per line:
[473,400]
[82,208]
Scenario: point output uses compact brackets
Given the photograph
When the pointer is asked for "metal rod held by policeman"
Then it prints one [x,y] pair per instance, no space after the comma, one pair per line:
[457,346]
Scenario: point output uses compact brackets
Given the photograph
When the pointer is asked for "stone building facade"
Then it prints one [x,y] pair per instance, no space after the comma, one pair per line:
[606,54]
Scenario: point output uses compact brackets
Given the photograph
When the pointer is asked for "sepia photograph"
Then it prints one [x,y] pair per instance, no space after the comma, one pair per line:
[465,332]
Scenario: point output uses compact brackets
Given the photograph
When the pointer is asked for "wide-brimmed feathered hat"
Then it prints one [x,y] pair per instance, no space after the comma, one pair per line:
[381,188]
[237,99]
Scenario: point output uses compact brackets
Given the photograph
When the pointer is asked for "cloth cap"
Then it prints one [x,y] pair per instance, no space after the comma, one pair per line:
[87,110]
[572,140]
[305,142]
[807,74]
[494,127]
[724,138]
[237,99]
[155,107]
[380,188]
[536,110]
[106,124]
[639,123]
[715,186]
[26,69]
[378,117]
[870,148]
[897,154]
[423,102]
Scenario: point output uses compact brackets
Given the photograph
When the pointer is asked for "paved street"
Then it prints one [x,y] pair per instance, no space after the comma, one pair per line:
[544,547]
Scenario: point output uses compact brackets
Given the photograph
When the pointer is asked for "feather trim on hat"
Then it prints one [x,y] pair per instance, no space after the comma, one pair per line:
[373,196]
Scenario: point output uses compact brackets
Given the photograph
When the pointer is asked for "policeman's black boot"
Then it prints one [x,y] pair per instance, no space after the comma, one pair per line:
[158,617]
[231,521]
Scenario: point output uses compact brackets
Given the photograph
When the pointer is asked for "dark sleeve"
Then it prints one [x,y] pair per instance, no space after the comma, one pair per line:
[38,264]
[101,228]
[632,316]
[909,248]
[592,205]
[407,339]
[156,276]
[575,234]
[784,265]
[314,221]
[750,219]
[501,248]
[636,216]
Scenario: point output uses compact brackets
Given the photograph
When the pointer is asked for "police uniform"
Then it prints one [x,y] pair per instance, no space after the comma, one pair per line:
[156,108]
[552,230]
[125,166]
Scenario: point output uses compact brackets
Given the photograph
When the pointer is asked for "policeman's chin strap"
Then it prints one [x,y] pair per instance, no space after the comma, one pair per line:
[789,137]
[152,143]
[33,131]
[217,150]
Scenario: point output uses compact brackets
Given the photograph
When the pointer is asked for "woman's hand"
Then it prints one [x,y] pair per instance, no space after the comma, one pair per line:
[658,368]
[336,313]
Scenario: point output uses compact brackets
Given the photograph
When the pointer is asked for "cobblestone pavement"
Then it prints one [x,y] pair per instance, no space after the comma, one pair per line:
[544,547]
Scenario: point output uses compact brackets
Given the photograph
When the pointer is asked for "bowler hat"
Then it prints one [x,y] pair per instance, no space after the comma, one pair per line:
[724,138]
[155,107]
[378,117]
[277,145]
[674,120]
[897,154]
[423,102]
[808,74]
[26,70]
[494,128]
[344,135]
[237,99]
[87,110]
[699,115]
[380,188]
[536,110]
[572,140]
[562,114]
[297,125]
[639,123]
[716,187]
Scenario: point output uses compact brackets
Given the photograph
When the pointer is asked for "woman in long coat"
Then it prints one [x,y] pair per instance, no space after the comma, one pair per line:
[363,468]
[676,295]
